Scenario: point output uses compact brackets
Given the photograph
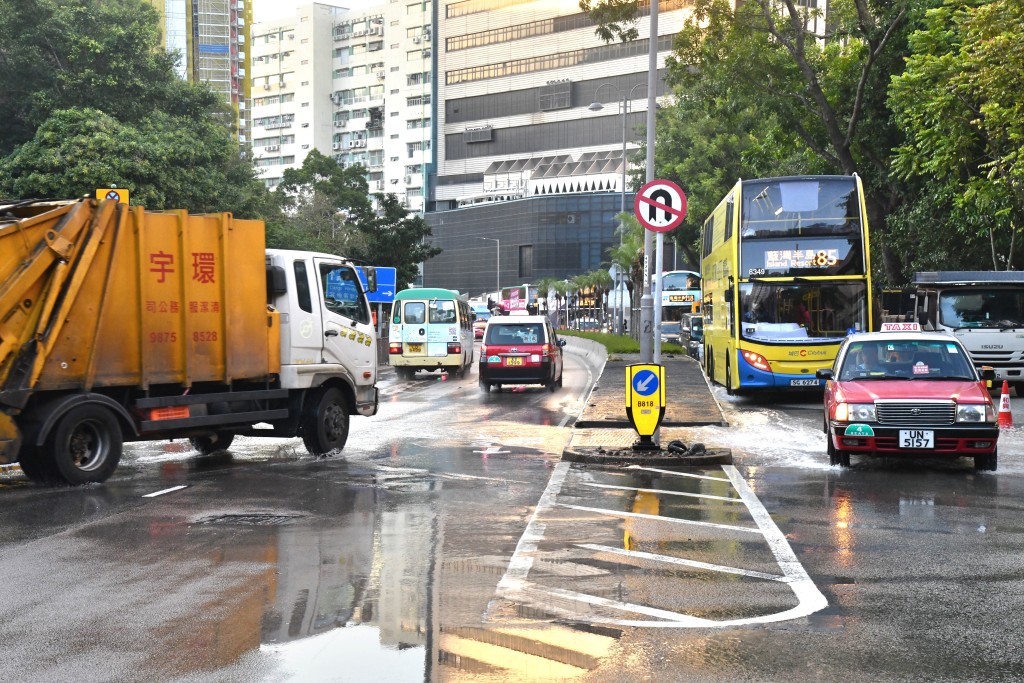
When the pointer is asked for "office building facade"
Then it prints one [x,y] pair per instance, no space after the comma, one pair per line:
[523,158]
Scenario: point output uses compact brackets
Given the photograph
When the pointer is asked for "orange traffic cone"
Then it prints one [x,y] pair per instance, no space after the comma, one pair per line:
[1005,416]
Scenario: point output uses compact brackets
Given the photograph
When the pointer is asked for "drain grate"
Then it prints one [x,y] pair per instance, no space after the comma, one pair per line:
[252,519]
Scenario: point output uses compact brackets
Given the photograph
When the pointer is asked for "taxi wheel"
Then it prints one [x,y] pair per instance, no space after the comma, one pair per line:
[835,457]
[986,462]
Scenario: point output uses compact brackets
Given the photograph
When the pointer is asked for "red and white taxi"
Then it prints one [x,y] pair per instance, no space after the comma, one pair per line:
[906,392]
[520,349]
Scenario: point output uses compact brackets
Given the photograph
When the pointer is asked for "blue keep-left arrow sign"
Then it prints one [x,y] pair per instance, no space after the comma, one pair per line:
[645,382]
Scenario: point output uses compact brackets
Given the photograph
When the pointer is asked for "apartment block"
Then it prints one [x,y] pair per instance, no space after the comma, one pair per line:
[354,85]
[534,111]
[212,36]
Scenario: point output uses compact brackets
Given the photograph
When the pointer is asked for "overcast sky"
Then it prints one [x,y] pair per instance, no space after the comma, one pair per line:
[271,10]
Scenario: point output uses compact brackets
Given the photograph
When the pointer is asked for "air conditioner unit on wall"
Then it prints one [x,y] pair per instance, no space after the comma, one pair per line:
[341,123]
[271,148]
[336,145]
[416,39]
[359,143]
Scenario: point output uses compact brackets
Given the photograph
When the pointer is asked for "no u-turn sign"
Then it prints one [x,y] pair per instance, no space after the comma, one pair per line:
[660,205]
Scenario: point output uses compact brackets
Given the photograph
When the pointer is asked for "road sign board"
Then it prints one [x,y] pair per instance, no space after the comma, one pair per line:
[119,195]
[660,205]
[386,285]
[645,397]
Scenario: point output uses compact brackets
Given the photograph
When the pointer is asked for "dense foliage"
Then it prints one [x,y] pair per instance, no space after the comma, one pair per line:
[921,98]
[89,99]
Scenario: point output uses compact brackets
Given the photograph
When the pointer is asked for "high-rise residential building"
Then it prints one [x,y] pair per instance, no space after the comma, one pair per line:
[355,85]
[529,171]
[291,86]
[211,36]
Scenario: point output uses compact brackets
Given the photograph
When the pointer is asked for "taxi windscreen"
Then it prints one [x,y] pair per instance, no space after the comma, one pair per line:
[909,359]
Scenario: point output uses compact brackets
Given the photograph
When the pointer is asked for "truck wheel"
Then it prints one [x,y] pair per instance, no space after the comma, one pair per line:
[35,466]
[211,443]
[325,428]
[85,445]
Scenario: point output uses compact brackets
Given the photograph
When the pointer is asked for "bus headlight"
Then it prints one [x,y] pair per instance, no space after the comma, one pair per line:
[855,412]
[971,413]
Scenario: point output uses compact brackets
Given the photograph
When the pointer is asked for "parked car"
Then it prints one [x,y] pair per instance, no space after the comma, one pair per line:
[908,393]
[520,349]
[691,334]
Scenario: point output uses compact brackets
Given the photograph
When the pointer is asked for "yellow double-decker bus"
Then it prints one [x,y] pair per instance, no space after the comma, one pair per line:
[786,276]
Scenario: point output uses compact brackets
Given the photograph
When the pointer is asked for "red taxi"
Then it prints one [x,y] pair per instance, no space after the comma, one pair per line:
[906,392]
[520,349]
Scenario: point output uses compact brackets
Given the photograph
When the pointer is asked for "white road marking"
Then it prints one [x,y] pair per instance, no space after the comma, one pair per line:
[682,561]
[522,558]
[675,474]
[659,518]
[515,587]
[662,491]
[160,493]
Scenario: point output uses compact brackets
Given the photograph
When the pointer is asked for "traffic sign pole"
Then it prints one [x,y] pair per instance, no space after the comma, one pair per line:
[660,206]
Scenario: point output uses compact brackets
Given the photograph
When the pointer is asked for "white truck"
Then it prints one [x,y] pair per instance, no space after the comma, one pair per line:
[984,309]
[119,324]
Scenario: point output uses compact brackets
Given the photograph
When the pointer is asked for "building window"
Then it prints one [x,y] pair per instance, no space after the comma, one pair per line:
[526,261]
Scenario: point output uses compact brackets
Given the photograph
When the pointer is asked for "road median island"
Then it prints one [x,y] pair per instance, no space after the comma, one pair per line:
[602,433]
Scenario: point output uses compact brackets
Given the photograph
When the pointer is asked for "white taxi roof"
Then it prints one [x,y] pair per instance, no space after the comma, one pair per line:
[516,319]
[902,335]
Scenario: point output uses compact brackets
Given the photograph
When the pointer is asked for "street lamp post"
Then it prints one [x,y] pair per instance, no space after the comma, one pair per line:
[624,110]
[497,265]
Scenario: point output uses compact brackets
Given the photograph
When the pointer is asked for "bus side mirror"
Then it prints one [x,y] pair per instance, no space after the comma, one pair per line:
[728,296]
[824,373]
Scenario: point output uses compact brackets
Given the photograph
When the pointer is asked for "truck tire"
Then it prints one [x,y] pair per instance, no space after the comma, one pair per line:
[325,427]
[211,443]
[85,445]
[35,466]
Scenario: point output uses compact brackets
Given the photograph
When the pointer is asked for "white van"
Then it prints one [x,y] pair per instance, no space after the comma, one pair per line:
[431,329]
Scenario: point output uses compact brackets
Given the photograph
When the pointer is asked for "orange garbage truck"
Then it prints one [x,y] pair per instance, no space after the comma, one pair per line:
[120,324]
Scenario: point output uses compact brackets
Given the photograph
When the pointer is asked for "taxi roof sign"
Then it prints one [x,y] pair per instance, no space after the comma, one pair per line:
[900,327]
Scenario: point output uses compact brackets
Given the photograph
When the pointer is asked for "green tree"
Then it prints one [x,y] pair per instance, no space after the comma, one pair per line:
[960,104]
[771,98]
[166,161]
[89,99]
[322,206]
[397,239]
[87,54]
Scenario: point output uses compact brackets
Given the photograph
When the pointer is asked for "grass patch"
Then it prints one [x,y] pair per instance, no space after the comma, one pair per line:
[618,343]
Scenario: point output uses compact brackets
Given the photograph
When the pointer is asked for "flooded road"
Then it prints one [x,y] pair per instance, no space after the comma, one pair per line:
[449,543]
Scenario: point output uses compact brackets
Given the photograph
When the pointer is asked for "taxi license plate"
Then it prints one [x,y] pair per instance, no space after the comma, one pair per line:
[803,382]
[917,438]
[415,348]
[513,361]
